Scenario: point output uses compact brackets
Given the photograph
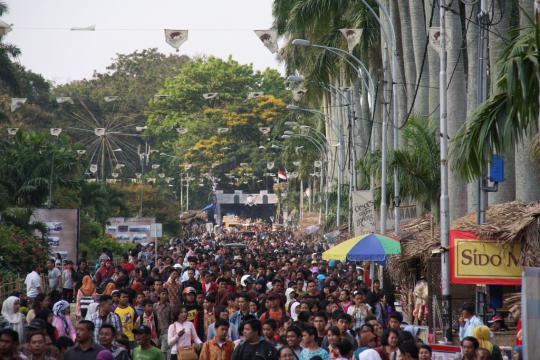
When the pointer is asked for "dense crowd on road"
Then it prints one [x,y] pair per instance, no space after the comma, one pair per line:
[254,293]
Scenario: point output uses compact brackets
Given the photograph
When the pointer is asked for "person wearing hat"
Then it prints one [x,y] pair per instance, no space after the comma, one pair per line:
[468,321]
[146,350]
[497,323]
[195,311]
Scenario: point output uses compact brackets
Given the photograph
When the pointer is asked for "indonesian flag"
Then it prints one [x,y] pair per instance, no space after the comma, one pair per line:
[282,175]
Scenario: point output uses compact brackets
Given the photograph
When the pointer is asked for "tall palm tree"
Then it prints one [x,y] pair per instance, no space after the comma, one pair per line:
[527,174]
[457,104]
[498,37]
[506,118]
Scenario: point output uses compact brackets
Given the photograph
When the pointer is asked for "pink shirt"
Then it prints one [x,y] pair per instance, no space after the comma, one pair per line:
[189,338]
[59,325]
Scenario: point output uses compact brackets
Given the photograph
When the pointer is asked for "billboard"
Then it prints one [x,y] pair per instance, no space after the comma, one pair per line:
[480,261]
[63,230]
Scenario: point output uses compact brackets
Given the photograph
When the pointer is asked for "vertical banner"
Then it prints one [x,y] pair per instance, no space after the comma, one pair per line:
[352,36]
[269,39]
[530,313]
[363,212]
[176,38]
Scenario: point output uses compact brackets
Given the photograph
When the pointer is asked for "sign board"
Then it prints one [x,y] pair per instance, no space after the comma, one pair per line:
[363,212]
[156,230]
[445,352]
[63,234]
[480,261]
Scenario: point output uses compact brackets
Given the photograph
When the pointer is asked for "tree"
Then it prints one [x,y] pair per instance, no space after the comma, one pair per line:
[504,119]
[417,163]
[7,53]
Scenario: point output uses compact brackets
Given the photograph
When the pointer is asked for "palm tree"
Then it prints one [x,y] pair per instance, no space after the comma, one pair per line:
[527,174]
[419,37]
[457,105]
[417,163]
[498,37]
[506,118]
[7,52]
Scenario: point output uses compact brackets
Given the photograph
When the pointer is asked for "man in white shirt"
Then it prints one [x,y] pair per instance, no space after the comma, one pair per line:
[33,283]
[468,321]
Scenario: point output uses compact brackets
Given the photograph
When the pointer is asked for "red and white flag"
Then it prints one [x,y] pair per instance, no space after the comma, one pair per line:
[282,175]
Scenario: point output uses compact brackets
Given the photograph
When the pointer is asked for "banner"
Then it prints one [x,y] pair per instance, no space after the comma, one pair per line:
[268,38]
[352,36]
[176,38]
[17,103]
[363,212]
[63,230]
[480,261]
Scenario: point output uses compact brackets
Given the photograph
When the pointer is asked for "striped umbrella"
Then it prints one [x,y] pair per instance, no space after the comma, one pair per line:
[370,247]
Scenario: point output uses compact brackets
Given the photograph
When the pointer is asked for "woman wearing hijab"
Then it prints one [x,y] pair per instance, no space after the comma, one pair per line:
[62,321]
[84,296]
[11,316]
[109,288]
[483,334]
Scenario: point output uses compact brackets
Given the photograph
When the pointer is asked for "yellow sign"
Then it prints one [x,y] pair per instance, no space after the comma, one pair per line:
[475,261]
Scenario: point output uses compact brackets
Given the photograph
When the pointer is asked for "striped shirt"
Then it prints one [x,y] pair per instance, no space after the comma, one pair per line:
[111,319]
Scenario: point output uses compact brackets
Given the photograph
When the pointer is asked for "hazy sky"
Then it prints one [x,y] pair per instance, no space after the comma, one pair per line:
[217,27]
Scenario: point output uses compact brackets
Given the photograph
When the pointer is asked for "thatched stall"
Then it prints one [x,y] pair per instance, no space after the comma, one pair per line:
[507,223]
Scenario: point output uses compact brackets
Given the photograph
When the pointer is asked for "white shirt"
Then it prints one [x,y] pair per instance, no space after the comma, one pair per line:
[32,282]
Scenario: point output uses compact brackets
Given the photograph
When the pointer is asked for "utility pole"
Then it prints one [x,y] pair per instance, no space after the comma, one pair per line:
[384,141]
[481,94]
[445,214]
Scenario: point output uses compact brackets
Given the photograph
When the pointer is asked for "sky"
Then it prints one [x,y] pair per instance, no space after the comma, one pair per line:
[217,27]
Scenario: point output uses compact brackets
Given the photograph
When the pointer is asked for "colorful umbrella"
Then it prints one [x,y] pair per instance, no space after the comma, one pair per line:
[373,247]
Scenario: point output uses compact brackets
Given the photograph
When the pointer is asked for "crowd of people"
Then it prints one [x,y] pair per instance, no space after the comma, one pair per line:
[248,294]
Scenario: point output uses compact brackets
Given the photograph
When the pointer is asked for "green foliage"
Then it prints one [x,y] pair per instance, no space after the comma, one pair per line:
[213,154]
[93,247]
[417,162]
[503,120]
[102,201]
[20,250]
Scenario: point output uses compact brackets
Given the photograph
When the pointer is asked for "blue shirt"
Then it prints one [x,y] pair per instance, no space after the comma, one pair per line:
[305,354]
[468,327]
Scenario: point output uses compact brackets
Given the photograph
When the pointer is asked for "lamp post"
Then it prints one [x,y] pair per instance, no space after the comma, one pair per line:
[322,148]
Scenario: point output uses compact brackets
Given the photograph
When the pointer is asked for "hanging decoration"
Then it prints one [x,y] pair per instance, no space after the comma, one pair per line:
[12,131]
[317,163]
[93,168]
[298,94]
[115,174]
[296,163]
[176,38]
[270,165]
[64,99]
[352,36]
[222,130]
[155,166]
[210,96]
[187,166]
[111,98]
[17,103]
[269,39]
[56,131]
[161,175]
[181,130]
[255,94]
[99,131]
[84,28]
[81,152]
[265,130]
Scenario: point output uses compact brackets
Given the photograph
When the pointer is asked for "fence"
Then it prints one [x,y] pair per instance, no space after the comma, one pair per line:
[17,285]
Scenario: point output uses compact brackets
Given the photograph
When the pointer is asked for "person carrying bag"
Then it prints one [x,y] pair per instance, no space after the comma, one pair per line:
[182,337]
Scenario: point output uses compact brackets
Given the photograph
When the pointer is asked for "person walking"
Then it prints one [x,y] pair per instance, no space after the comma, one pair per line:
[85,296]
[145,350]
[253,346]
[182,336]
[85,348]
[104,315]
[218,348]
[33,283]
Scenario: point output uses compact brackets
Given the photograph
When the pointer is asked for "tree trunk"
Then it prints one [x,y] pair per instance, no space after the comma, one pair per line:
[527,170]
[501,28]
[419,36]
[472,91]
[433,58]
[400,73]
[407,46]
[457,106]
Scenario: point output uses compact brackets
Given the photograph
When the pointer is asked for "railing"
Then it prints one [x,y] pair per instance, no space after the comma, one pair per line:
[17,285]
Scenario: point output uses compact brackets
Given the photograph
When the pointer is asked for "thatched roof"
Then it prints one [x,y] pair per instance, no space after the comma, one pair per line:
[508,222]
[193,215]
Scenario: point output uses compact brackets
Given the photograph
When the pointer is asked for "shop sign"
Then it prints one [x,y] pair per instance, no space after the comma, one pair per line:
[479,261]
